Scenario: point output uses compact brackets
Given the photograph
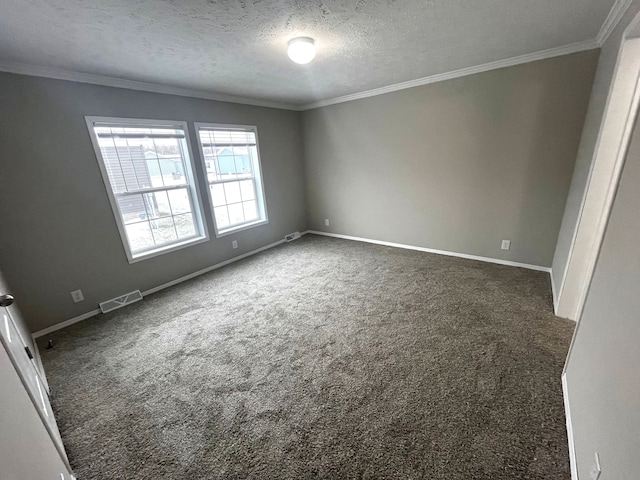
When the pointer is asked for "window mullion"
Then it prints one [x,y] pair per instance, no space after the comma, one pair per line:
[151,190]
[214,182]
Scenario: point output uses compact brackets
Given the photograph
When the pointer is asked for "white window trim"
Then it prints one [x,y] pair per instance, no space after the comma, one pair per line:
[193,185]
[259,187]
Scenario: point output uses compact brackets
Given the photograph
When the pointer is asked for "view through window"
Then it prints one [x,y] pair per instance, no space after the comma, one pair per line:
[232,164]
[150,177]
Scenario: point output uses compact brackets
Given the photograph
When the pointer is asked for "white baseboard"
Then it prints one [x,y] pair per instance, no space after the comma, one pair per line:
[554,293]
[209,269]
[432,250]
[66,323]
[567,414]
[93,313]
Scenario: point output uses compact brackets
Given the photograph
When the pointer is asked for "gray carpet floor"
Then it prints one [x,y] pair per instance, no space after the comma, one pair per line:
[321,359]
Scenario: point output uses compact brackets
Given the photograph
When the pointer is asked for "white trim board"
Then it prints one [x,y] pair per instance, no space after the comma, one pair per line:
[93,313]
[611,22]
[463,72]
[40,367]
[571,442]
[567,410]
[615,15]
[554,293]
[106,81]
[81,77]
[66,323]
[59,74]
[607,161]
[433,250]
[211,268]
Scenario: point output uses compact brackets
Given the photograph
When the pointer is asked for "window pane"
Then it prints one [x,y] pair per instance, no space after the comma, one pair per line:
[132,208]
[185,226]
[221,136]
[126,163]
[243,161]
[157,204]
[210,166]
[139,235]
[246,188]
[236,214]
[163,230]
[113,168]
[232,192]
[138,157]
[144,161]
[250,210]
[231,157]
[226,164]
[153,166]
[217,195]
[171,166]
[180,201]
[222,217]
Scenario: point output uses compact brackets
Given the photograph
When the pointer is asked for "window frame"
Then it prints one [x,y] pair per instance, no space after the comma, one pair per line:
[261,199]
[202,234]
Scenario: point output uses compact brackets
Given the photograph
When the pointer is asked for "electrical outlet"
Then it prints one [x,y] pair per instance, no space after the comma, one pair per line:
[77,296]
[234,244]
[506,244]
[595,472]
[326,222]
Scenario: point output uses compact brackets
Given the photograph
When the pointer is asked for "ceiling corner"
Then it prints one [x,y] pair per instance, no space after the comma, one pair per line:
[615,15]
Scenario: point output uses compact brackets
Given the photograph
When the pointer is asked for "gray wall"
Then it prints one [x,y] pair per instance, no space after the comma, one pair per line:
[456,165]
[58,229]
[597,103]
[603,370]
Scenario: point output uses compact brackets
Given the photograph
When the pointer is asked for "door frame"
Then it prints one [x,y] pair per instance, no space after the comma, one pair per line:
[613,140]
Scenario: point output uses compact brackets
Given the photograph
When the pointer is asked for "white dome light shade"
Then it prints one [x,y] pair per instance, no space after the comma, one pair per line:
[301,50]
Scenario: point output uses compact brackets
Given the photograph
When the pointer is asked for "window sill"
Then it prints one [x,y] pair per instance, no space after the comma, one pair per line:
[137,257]
[239,228]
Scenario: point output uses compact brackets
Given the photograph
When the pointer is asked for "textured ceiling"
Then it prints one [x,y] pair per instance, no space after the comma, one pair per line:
[239,47]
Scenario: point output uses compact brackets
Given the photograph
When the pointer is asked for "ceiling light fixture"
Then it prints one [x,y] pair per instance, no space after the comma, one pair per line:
[301,50]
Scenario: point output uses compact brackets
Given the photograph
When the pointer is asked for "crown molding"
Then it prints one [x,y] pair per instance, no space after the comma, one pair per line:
[613,18]
[611,22]
[463,72]
[59,74]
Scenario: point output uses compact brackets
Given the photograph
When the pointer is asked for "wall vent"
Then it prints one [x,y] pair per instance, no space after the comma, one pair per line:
[292,236]
[118,302]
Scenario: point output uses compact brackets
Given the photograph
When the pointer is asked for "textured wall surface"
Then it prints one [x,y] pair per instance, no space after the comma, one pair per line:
[239,46]
[604,364]
[58,229]
[458,165]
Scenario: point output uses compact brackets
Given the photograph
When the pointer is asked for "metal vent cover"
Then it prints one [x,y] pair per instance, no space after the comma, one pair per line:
[119,302]
[292,236]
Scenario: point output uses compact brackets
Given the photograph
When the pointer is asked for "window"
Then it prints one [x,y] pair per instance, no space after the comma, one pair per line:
[232,163]
[148,171]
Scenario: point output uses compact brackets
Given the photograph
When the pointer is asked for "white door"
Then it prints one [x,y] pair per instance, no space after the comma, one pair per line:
[21,359]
